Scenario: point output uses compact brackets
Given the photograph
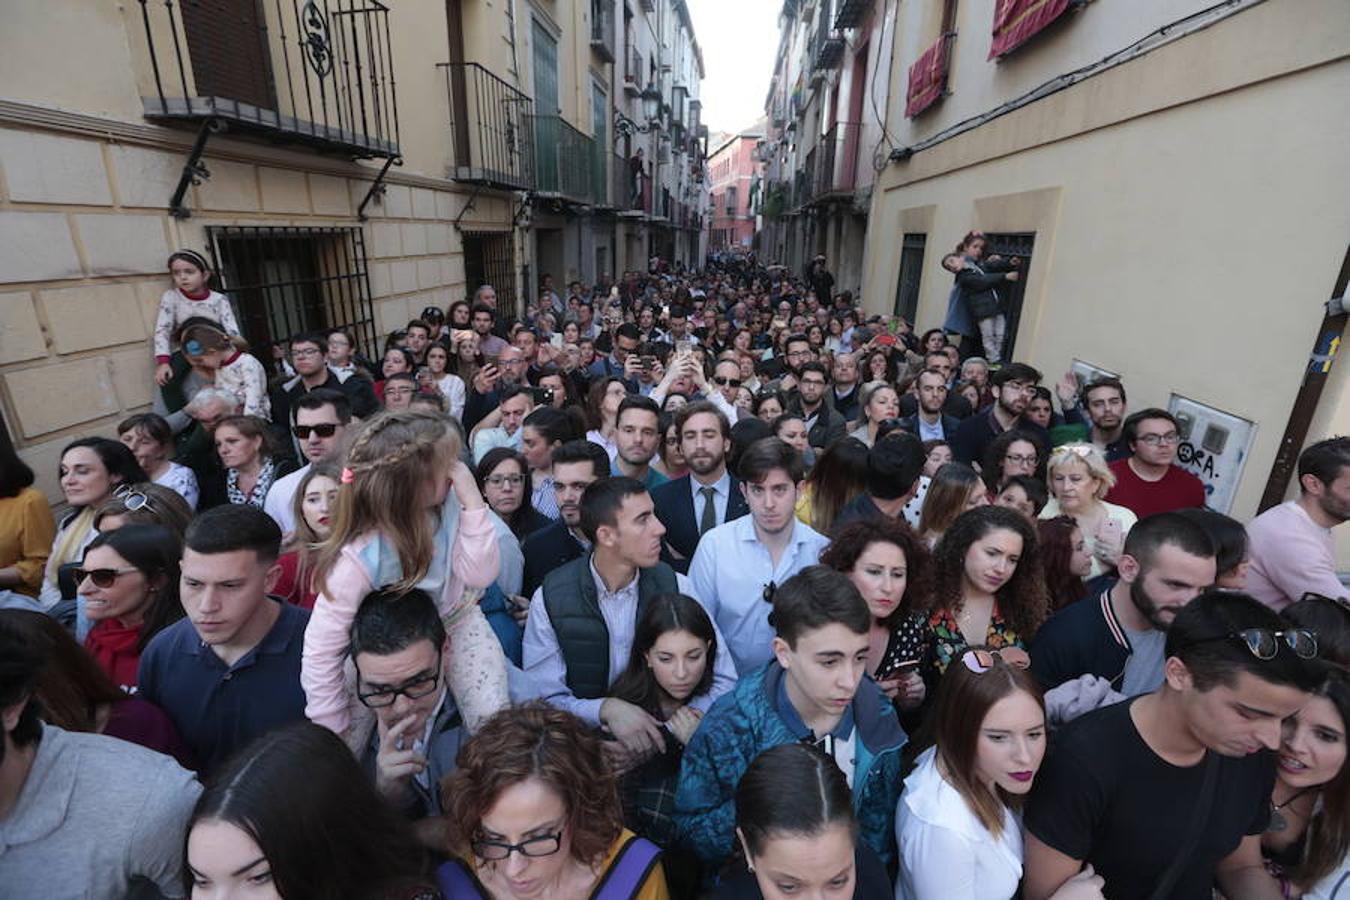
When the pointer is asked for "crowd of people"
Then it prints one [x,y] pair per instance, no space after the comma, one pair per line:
[698,584]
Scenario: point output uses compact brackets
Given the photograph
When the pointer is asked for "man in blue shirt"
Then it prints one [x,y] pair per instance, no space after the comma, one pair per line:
[738,565]
[229,670]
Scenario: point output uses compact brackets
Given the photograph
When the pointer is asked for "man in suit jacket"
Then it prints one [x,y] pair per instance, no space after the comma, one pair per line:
[929,422]
[824,424]
[705,498]
[575,465]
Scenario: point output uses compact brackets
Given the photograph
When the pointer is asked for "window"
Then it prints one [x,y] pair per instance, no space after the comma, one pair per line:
[731,201]
[1009,245]
[911,273]
[285,281]
[489,258]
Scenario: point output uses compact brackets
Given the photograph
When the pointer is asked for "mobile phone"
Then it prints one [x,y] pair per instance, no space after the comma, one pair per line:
[542,396]
[648,362]
[903,667]
[459,334]
[490,359]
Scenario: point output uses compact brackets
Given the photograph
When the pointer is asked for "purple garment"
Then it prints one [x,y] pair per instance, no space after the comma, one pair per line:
[142,722]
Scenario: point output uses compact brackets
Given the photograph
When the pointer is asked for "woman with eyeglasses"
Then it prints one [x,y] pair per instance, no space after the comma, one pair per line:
[92,469]
[957,822]
[150,438]
[244,447]
[769,405]
[955,489]
[669,460]
[987,588]
[129,584]
[878,401]
[1308,839]
[313,506]
[504,478]
[293,817]
[1079,480]
[1012,453]
[797,833]
[533,812]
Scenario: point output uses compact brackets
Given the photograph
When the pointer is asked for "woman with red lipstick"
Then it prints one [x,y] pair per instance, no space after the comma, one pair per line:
[957,824]
[884,561]
[1306,843]
[315,500]
[987,584]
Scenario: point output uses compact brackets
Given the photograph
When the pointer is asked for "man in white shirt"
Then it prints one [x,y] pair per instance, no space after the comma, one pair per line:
[321,419]
[739,565]
[582,619]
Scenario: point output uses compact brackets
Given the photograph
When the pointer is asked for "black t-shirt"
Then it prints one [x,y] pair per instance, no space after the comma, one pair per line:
[1103,796]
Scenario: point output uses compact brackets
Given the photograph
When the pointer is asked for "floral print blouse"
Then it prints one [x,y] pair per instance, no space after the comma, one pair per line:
[949,642]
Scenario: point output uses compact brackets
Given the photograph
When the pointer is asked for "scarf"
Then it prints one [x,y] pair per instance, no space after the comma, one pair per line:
[113,647]
[259,492]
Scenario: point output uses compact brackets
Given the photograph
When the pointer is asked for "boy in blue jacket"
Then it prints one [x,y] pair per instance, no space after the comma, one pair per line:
[814,690]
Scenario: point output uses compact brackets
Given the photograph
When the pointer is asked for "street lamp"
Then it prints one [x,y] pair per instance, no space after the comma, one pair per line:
[651,111]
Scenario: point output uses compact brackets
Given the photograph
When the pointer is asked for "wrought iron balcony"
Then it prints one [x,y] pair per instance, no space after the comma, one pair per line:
[850,13]
[836,156]
[318,73]
[491,138]
[602,29]
[564,161]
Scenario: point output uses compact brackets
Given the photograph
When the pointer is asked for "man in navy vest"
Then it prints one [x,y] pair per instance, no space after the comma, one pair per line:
[582,619]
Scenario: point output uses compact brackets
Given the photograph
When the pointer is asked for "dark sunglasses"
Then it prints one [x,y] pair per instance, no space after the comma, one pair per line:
[104,578]
[724,382]
[326,430]
[1264,644]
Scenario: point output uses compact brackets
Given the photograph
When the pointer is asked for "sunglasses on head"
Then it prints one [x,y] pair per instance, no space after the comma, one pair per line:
[104,578]
[326,430]
[1264,643]
[133,500]
[981,661]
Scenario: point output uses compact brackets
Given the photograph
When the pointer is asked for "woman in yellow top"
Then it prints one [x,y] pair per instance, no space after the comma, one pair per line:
[26,532]
[534,812]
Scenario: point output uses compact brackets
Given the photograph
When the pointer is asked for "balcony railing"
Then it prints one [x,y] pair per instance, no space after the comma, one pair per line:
[602,29]
[320,73]
[563,160]
[827,46]
[837,158]
[491,140]
[850,13]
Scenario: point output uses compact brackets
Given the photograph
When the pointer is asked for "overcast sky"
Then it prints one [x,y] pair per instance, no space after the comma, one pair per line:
[739,39]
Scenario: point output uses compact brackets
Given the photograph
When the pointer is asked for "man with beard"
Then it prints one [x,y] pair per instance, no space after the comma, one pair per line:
[637,432]
[738,565]
[1118,636]
[929,422]
[1104,401]
[1012,391]
[576,464]
[824,423]
[708,496]
[1291,547]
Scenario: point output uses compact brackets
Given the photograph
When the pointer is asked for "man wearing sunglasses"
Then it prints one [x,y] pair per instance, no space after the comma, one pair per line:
[1168,794]
[321,420]
[398,645]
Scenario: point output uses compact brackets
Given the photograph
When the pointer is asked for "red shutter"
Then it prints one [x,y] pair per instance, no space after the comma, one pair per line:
[1015,21]
[927,78]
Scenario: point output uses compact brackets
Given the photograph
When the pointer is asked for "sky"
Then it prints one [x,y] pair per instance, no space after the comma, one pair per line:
[739,39]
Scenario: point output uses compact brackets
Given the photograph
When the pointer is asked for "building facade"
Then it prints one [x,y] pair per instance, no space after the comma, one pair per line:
[733,186]
[342,164]
[1129,153]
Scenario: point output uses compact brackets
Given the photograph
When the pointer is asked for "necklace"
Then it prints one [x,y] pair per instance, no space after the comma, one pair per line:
[1278,822]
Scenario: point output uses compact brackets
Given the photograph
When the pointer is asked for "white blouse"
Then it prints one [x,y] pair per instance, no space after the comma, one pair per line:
[945,852]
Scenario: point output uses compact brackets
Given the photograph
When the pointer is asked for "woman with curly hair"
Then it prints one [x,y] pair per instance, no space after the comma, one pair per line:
[534,811]
[987,584]
[888,566]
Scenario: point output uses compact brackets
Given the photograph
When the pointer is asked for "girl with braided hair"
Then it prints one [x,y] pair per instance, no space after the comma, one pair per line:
[409,514]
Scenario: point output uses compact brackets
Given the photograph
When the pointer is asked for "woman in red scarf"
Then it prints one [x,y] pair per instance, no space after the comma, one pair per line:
[129,582]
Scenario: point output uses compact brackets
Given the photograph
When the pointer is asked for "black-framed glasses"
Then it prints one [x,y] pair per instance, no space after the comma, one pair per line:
[104,578]
[533,848]
[1153,440]
[413,689]
[325,430]
[499,480]
[1264,644]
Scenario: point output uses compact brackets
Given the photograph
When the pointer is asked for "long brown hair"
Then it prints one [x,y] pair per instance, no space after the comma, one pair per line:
[1061,585]
[72,687]
[839,475]
[535,741]
[1022,600]
[964,698]
[304,540]
[389,460]
[946,498]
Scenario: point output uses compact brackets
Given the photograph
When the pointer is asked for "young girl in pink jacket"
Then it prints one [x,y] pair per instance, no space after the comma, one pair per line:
[409,514]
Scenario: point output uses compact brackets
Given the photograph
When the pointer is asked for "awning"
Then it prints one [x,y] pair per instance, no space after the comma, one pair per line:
[927,78]
[1016,21]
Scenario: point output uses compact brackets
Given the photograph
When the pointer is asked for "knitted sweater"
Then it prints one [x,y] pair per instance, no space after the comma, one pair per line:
[175,308]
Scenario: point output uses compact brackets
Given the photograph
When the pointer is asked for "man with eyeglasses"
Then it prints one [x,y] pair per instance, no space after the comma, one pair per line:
[1168,794]
[321,419]
[485,392]
[824,423]
[1013,385]
[309,356]
[1149,481]
[397,645]
[576,465]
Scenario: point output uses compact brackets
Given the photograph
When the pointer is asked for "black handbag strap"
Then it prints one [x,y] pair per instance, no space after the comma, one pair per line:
[1199,815]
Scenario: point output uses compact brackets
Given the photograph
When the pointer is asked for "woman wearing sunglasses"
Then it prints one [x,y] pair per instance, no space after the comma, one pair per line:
[957,824]
[129,584]
[534,812]
[1308,838]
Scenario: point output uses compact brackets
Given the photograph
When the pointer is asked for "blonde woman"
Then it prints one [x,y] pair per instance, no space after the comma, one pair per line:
[878,402]
[1079,479]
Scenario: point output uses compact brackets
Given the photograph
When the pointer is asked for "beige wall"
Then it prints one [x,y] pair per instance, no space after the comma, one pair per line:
[1189,221]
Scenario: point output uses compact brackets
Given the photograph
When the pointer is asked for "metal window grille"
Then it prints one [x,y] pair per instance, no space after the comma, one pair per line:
[1010,244]
[911,272]
[489,258]
[285,281]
